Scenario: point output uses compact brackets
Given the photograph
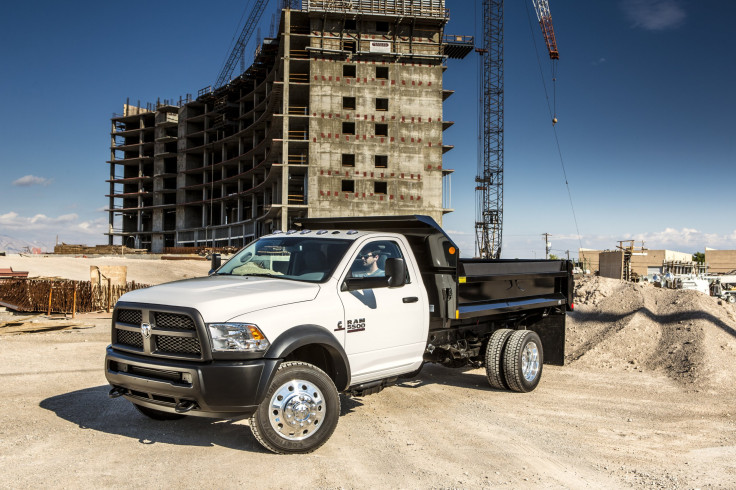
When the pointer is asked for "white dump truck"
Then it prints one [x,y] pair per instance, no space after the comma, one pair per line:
[347,305]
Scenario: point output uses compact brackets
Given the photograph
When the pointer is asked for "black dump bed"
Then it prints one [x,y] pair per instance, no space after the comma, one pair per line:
[487,287]
[461,289]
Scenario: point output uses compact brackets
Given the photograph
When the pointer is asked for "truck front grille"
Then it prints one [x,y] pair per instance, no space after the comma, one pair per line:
[133,339]
[177,345]
[171,334]
[130,316]
[171,320]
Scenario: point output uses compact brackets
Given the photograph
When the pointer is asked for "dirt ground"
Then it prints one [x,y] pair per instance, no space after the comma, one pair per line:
[646,400]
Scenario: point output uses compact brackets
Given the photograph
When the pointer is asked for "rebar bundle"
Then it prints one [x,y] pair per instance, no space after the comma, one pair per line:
[60,295]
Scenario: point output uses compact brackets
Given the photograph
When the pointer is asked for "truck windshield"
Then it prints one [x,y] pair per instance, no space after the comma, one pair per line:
[298,258]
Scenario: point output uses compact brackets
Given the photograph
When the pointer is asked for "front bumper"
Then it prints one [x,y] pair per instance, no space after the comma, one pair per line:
[218,389]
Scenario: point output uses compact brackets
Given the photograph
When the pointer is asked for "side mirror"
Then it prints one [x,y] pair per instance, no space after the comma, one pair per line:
[396,272]
[216,262]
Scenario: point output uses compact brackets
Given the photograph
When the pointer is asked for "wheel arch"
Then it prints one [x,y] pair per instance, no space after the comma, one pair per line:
[316,345]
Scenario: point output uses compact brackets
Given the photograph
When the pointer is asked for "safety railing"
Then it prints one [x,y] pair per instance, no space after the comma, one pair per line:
[298,110]
[299,77]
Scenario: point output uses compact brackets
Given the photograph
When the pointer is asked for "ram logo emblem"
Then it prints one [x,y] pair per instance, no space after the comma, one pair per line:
[146,330]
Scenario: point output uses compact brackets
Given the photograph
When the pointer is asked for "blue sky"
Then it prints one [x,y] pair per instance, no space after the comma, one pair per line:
[645,102]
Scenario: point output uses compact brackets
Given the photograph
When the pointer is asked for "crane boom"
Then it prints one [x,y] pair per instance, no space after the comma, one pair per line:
[545,22]
[255,16]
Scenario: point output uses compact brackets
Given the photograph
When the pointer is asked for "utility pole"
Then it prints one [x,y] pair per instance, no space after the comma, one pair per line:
[547,245]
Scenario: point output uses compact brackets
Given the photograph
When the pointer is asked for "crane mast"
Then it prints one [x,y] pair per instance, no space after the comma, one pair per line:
[489,179]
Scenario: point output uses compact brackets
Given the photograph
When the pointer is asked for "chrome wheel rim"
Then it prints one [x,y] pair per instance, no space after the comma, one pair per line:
[530,361]
[296,410]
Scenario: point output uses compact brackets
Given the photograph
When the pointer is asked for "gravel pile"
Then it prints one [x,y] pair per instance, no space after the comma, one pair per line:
[686,336]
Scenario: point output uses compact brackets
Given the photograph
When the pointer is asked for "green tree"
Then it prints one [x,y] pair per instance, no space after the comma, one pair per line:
[699,257]
[553,257]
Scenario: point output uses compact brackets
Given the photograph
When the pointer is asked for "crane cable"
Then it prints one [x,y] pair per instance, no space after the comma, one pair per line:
[553,117]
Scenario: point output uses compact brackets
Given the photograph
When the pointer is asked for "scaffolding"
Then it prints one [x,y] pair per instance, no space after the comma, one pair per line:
[430,9]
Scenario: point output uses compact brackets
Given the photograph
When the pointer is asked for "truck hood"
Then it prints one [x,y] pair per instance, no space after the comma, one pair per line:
[220,298]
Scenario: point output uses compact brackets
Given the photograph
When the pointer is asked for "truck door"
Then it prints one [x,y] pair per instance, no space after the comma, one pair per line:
[385,328]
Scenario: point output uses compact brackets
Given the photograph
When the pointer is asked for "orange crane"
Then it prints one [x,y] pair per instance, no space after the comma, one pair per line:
[545,22]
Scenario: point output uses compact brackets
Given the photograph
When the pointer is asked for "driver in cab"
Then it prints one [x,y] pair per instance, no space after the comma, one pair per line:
[370,267]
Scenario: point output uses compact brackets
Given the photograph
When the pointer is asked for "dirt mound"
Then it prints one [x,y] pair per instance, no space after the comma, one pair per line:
[685,335]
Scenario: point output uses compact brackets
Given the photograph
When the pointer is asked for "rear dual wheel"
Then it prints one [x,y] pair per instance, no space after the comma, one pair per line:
[514,360]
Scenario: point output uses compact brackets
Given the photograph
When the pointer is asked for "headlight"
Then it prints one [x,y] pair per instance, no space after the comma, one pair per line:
[237,337]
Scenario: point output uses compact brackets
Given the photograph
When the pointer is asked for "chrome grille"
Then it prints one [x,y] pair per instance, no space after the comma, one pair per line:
[130,316]
[133,339]
[178,345]
[173,320]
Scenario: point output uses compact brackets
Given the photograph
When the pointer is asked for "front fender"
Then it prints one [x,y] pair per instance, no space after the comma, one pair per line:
[304,335]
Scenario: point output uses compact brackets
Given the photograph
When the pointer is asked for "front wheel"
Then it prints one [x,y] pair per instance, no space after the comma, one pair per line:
[299,412]
[732,298]
[523,359]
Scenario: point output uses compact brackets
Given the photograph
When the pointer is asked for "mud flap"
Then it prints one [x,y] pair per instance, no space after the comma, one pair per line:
[551,330]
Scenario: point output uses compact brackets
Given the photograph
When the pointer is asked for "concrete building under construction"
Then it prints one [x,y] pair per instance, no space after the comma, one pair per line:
[340,114]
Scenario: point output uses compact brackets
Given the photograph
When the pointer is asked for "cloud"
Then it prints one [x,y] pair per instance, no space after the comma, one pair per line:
[654,15]
[30,180]
[598,62]
[687,240]
[68,227]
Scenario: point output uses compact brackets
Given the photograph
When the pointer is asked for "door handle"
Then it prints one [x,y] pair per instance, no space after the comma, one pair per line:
[410,299]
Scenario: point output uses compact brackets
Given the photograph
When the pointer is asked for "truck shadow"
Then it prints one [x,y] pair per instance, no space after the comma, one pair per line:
[669,318]
[91,409]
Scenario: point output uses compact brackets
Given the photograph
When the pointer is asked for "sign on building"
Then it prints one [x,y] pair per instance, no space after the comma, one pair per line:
[380,47]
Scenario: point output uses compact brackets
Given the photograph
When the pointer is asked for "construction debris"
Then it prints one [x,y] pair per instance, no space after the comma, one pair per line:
[64,249]
[10,273]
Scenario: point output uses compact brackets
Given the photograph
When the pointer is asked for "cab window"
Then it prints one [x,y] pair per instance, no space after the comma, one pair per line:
[371,259]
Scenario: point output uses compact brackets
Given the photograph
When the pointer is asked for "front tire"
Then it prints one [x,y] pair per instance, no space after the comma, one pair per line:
[299,412]
[154,414]
[523,359]
[732,298]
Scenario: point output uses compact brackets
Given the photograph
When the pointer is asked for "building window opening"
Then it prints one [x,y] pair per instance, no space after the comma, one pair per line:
[382,73]
[381,104]
[380,187]
[381,26]
[348,160]
[381,161]
[381,129]
[348,103]
[348,186]
[351,25]
[348,71]
[348,128]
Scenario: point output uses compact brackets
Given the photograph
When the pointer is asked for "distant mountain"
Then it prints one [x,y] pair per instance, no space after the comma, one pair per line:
[16,245]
